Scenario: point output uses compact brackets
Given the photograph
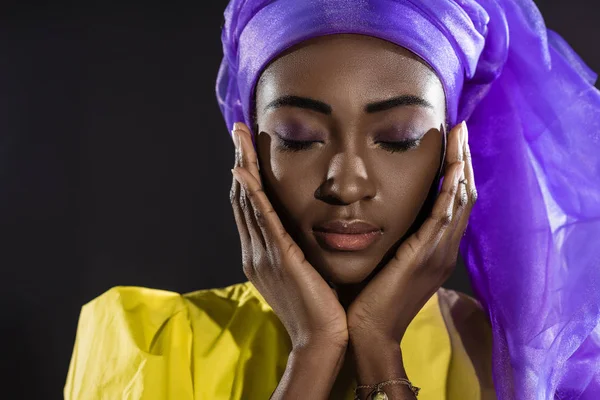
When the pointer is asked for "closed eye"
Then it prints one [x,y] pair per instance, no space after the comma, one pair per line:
[295,145]
[394,147]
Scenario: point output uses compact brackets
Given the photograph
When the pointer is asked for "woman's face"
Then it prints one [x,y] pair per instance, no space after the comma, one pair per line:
[350,128]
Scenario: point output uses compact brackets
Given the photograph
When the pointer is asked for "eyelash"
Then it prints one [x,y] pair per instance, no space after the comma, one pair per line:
[392,147]
[293,145]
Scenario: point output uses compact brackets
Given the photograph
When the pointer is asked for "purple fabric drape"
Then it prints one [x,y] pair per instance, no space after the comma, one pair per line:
[532,247]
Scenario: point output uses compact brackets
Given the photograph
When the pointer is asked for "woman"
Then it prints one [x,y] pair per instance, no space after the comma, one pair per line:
[347,115]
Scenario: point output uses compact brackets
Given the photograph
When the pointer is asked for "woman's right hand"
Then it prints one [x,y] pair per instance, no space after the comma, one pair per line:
[275,264]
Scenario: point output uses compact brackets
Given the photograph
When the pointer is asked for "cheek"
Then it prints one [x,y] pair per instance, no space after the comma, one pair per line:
[406,197]
[406,182]
[291,180]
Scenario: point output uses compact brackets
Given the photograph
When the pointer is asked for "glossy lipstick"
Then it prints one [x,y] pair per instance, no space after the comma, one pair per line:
[343,235]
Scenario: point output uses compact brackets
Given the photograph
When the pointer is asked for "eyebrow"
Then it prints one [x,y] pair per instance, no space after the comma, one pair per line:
[404,100]
[324,108]
[300,102]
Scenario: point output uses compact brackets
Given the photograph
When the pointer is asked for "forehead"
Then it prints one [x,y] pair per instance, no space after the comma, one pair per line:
[343,66]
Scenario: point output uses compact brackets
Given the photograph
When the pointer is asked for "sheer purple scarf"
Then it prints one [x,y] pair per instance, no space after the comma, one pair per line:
[532,247]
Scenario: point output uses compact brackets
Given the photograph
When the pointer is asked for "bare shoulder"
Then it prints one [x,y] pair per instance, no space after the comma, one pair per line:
[473,325]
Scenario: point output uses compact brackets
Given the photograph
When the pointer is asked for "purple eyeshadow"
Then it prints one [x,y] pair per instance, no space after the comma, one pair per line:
[296,132]
[396,134]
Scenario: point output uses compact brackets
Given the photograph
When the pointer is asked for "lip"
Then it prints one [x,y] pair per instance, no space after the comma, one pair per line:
[346,227]
[344,235]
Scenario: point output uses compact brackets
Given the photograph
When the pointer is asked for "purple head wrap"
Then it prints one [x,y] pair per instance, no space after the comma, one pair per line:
[532,247]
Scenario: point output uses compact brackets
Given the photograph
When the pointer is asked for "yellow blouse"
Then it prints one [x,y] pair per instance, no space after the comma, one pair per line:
[227,343]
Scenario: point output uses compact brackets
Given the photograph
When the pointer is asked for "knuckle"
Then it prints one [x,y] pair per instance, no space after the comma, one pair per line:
[260,217]
[254,193]
[272,253]
[289,249]
[447,196]
[249,270]
[442,218]
[251,194]
[454,190]
[461,175]
[463,199]
[246,255]
[468,158]
[243,203]
[260,259]
[473,195]
[293,253]
[412,247]
[284,236]
[445,219]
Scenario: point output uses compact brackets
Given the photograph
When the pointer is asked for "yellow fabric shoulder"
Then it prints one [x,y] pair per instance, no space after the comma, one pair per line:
[136,343]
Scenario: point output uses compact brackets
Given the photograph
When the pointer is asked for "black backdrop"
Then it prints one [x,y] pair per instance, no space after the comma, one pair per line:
[114,165]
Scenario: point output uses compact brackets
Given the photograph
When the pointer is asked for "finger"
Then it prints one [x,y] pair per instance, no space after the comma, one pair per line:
[255,240]
[470,175]
[238,153]
[248,209]
[454,151]
[249,160]
[265,217]
[471,193]
[441,224]
[240,222]
[234,193]
[460,206]
[426,239]
[461,200]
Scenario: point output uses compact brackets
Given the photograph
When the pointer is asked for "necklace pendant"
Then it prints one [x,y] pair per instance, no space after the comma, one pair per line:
[379,395]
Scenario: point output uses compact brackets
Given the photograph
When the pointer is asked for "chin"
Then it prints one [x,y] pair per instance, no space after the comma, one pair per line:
[349,272]
[345,267]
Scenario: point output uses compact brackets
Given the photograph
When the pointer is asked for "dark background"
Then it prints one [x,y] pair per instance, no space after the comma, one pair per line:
[114,165]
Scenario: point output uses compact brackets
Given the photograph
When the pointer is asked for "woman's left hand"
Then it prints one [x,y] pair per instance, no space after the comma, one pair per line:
[387,304]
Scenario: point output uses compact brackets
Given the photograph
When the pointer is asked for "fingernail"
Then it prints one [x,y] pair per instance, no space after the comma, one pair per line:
[461,141]
[237,125]
[236,175]
[236,139]
[239,141]
[465,131]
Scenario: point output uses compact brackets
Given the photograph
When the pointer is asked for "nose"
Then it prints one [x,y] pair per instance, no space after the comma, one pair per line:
[347,181]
